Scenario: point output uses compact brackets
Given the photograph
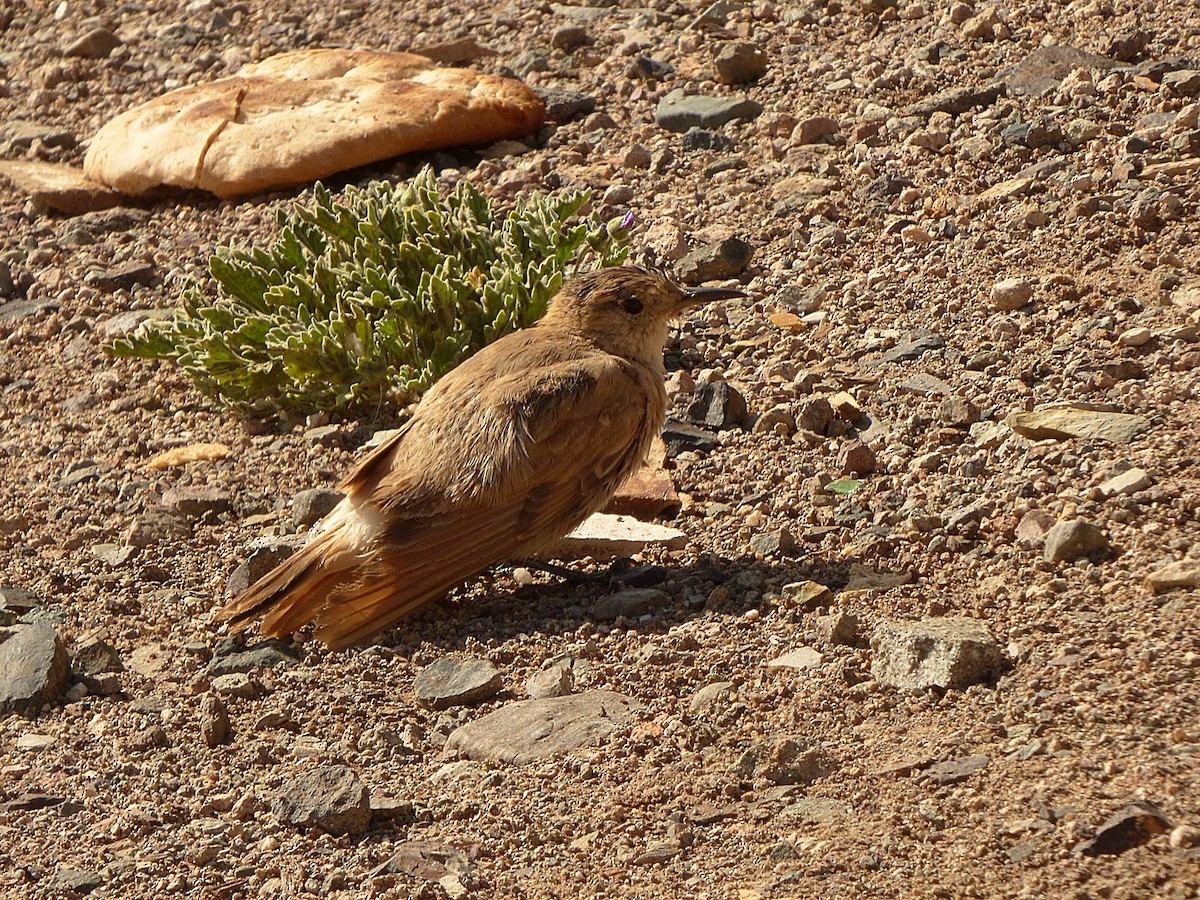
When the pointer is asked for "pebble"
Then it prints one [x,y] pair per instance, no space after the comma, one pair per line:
[838,628]
[1128,482]
[805,595]
[196,502]
[214,721]
[568,37]
[1184,573]
[954,771]
[448,682]
[265,555]
[33,669]
[1184,837]
[804,659]
[1135,337]
[532,730]
[563,105]
[231,656]
[679,112]
[1072,540]
[1031,530]
[783,760]
[856,458]
[608,536]
[1012,293]
[1069,421]
[96,44]
[629,603]
[739,63]
[79,881]
[813,129]
[1129,827]
[777,542]
[936,652]
[331,798]
[312,505]
[556,681]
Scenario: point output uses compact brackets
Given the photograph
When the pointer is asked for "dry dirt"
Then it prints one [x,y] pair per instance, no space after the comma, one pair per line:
[879,228]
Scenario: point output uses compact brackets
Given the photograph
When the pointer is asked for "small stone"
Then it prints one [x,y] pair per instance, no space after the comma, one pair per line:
[123,277]
[679,112]
[231,655]
[457,682]
[681,437]
[776,420]
[1184,837]
[1135,824]
[265,555]
[1072,540]
[629,603]
[948,653]
[740,62]
[1077,421]
[845,407]
[813,129]
[556,681]
[237,684]
[982,26]
[717,405]
[783,760]
[953,771]
[709,695]
[1012,293]
[214,721]
[838,628]
[1184,573]
[331,798]
[96,657]
[314,504]
[568,37]
[195,502]
[532,730]
[1182,81]
[955,100]
[181,456]
[80,881]
[35,743]
[1135,337]
[720,259]
[60,187]
[96,44]
[805,595]
[805,659]
[815,416]
[563,105]
[777,542]
[857,458]
[1033,527]
[958,412]
[33,669]
[1128,482]
[112,555]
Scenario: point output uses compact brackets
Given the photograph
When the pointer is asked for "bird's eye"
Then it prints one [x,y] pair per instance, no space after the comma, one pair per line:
[632,305]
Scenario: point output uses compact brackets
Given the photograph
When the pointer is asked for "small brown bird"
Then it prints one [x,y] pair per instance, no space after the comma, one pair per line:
[502,457]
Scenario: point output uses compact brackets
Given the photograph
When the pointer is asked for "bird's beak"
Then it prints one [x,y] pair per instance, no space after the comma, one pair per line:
[696,296]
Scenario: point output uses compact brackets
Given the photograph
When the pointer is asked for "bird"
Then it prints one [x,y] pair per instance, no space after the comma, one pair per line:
[503,455]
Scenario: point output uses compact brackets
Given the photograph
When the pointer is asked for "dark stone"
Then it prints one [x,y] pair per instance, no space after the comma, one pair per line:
[698,139]
[450,682]
[96,44]
[1043,70]
[717,405]
[952,771]
[648,69]
[915,345]
[33,669]
[956,100]
[265,555]
[195,502]
[314,504]
[628,603]
[125,276]
[739,62]
[331,798]
[720,259]
[231,655]
[1135,824]
[679,112]
[680,436]
[563,106]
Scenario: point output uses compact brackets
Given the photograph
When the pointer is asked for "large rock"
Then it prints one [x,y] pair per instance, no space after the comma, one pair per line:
[331,798]
[1077,421]
[537,729]
[33,669]
[305,115]
[939,652]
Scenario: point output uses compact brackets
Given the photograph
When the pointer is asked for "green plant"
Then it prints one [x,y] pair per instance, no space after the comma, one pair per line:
[371,300]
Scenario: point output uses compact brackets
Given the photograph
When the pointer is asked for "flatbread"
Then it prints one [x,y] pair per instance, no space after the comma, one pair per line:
[305,115]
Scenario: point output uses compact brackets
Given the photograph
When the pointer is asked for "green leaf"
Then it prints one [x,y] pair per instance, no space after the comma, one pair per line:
[843,486]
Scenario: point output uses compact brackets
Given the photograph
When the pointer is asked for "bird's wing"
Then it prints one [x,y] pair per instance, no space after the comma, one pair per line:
[577,430]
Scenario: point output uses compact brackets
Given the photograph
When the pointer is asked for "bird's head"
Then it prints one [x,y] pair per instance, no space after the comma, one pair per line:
[625,310]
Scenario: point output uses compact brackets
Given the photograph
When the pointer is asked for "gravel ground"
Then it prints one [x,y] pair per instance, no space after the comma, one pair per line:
[898,207]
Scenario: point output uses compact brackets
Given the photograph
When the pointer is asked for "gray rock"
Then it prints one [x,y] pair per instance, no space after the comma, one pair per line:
[1077,421]
[937,652]
[783,760]
[1182,81]
[450,682]
[916,344]
[331,798]
[647,68]
[838,628]
[265,555]
[1072,540]
[125,276]
[555,681]
[314,504]
[568,37]
[679,112]
[720,259]
[958,412]
[717,405]
[956,100]
[710,695]
[195,502]
[33,669]
[700,139]
[812,129]
[680,437]
[15,602]
[739,62]
[1127,828]
[563,105]
[630,602]
[18,135]
[231,655]
[79,881]
[428,860]
[238,684]
[953,771]
[1033,527]
[95,657]
[777,542]
[532,730]
[96,44]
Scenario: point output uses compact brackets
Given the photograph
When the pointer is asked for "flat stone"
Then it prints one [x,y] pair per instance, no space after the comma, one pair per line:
[681,437]
[124,276]
[605,536]
[17,136]
[783,760]
[649,491]
[1128,482]
[450,682]
[60,187]
[813,129]
[953,771]
[915,345]
[113,555]
[717,405]
[838,628]
[1135,824]
[555,681]
[1184,573]
[1077,421]
[232,656]
[33,669]
[806,595]
[776,542]
[81,881]
[937,652]
[428,860]
[709,695]
[331,798]
[265,555]
[630,602]
[563,105]
[1033,527]
[866,578]
[804,659]
[35,743]
[95,44]
[679,112]
[1072,540]
[1043,70]
[195,502]
[956,100]
[531,730]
